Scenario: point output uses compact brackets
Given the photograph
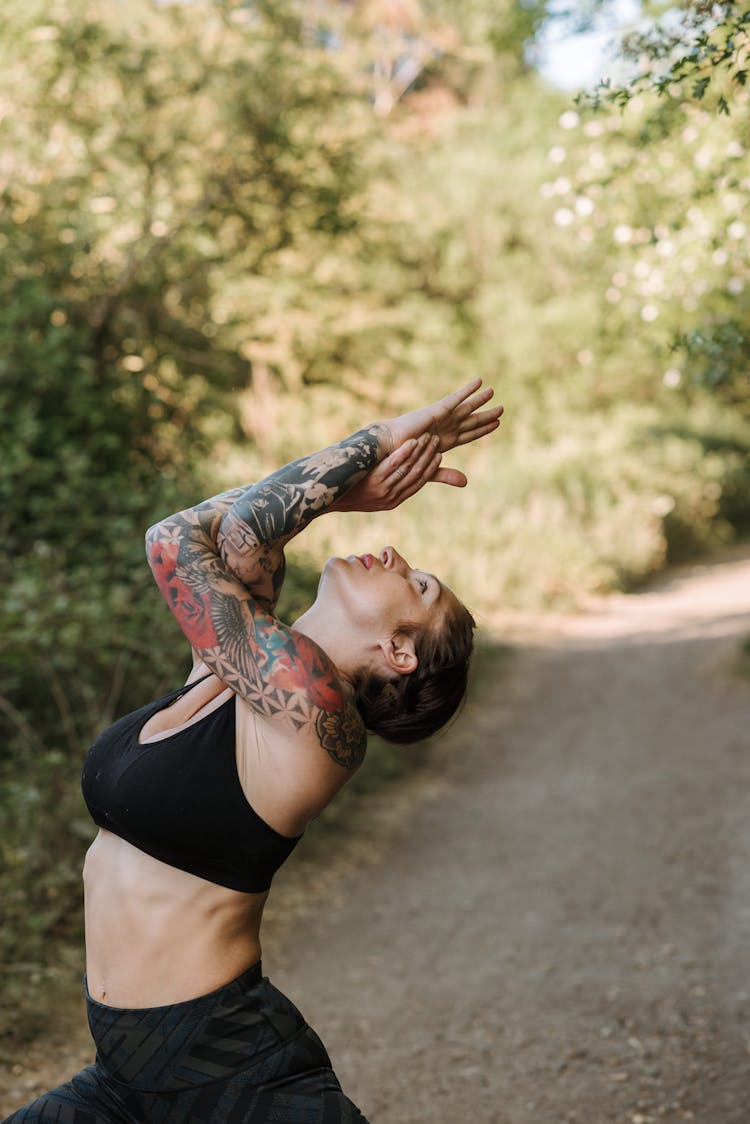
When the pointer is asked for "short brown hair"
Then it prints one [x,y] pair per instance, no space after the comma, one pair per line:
[419,704]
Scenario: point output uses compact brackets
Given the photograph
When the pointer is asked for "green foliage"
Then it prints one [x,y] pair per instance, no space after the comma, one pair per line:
[716,354]
[684,54]
[684,201]
[155,159]
[659,190]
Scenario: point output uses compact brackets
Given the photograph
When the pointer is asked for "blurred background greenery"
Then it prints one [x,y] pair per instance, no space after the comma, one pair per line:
[231,232]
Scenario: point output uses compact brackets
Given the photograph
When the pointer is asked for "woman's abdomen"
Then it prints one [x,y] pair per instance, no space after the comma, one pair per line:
[156,935]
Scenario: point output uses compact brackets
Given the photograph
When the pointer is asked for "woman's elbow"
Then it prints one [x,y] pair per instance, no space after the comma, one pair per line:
[162,550]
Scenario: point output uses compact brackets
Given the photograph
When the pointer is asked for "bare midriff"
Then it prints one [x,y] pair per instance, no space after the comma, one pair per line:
[157,935]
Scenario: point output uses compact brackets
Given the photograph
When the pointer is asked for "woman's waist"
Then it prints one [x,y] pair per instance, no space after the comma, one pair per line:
[240,1026]
[155,934]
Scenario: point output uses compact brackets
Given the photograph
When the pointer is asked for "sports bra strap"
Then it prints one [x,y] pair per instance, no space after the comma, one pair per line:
[188,686]
[168,699]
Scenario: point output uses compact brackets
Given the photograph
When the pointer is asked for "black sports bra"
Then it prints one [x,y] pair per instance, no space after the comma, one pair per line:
[179,798]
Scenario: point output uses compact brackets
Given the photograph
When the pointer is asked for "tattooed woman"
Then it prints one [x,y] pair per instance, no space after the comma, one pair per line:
[201,795]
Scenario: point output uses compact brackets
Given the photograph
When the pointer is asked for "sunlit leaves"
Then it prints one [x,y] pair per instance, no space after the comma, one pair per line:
[673,201]
[695,50]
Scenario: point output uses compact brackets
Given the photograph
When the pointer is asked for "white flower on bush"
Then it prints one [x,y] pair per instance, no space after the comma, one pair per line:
[730,201]
[563,216]
[653,285]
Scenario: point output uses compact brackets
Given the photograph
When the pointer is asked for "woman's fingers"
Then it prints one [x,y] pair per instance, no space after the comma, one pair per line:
[411,475]
[473,402]
[450,476]
[457,419]
[452,401]
[400,459]
[475,434]
[446,417]
[407,469]
[478,425]
[476,421]
[426,468]
[468,421]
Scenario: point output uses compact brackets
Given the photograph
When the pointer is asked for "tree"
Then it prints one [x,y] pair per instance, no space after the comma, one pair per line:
[162,167]
[673,169]
[697,52]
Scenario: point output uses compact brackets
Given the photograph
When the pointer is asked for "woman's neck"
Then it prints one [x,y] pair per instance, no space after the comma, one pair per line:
[336,640]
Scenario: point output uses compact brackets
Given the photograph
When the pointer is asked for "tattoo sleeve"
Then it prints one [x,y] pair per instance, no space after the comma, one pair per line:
[265,516]
[219,567]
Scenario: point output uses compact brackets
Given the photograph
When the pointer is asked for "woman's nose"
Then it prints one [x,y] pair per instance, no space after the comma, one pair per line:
[392,560]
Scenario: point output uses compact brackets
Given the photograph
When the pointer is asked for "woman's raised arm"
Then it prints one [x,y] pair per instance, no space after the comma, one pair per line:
[219,565]
[282,674]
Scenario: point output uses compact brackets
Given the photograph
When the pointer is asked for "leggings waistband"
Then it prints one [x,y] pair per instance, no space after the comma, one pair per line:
[253,975]
[181,1045]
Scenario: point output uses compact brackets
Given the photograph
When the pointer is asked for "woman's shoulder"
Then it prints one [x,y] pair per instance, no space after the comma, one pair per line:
[291,774]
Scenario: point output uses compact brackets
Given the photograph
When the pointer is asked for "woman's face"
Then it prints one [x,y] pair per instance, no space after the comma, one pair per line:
[382,593]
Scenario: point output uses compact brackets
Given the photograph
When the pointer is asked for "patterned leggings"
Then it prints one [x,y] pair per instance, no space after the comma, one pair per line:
[240,1055]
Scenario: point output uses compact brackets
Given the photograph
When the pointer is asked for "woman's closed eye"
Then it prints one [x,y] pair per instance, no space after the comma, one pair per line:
[423,584]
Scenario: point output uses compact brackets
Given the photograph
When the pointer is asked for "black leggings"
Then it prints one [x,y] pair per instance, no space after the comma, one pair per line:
[240,1055]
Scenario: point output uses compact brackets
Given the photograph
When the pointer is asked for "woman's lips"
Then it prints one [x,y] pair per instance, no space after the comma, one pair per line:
[367,560]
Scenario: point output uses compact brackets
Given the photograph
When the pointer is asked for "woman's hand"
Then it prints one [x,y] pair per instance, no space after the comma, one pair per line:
[399,476]
[418,440]
[455,419]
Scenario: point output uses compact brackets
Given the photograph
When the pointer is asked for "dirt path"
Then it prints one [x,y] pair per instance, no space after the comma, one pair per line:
[552,922]
[560,929]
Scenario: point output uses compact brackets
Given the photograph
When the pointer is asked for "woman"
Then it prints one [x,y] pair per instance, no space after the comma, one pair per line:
[201,795]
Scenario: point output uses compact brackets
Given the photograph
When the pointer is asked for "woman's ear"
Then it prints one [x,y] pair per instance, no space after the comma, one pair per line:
[399,654]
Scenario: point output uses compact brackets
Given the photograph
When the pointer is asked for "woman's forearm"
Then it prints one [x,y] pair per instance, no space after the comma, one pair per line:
[248,526]
[265,516]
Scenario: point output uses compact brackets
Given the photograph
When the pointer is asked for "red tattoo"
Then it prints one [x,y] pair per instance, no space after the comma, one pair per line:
[294,663]
[191,609]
